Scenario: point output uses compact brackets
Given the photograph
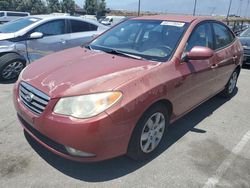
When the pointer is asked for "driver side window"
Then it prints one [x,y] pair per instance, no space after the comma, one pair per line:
[201,36]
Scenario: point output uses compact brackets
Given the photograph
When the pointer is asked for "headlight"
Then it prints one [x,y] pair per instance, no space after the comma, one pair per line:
[87,106]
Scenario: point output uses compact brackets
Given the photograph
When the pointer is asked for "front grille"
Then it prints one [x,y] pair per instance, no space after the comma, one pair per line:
[35,100]
[43,138]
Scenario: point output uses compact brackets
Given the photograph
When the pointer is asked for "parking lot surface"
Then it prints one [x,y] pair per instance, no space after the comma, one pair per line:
[209,147]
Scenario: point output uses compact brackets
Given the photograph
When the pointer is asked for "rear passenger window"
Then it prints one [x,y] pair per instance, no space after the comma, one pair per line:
[92,27]
[1,14]
[223,37]
[80,26]
[52,28]
[201,36]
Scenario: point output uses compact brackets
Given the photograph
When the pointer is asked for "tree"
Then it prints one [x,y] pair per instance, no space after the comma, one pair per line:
[101,9]
[8,4]
[90,6]
[68,6]
[37,7]
[4,5]
[31,6]
[54,6]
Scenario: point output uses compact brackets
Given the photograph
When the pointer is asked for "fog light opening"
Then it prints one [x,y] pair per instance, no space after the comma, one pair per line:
[78,153]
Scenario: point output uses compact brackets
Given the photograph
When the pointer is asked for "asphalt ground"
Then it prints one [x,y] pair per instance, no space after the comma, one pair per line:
[209,147]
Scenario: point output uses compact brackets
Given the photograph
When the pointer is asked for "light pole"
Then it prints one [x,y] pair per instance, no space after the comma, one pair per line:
[139,7]
[212,10]
[239,9]
[247,8]
[195,3]
[229,8]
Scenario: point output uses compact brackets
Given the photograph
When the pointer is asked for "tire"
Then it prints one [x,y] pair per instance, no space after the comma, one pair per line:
[145,140]
[228,92]
[11,65]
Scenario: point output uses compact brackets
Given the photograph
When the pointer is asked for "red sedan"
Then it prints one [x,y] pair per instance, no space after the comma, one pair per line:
[118,95]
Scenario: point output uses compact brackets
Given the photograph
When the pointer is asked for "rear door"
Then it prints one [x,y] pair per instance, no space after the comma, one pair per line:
[227,54]
[81,32]
[55,38]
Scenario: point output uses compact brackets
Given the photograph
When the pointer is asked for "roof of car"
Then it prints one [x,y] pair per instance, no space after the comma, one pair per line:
[47,16]
[172,17]
[51,16]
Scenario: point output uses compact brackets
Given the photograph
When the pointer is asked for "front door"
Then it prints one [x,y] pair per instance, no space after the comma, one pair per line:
[198,76]
[54,39]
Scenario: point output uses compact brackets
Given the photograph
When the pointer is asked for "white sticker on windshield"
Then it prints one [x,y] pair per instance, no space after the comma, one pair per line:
[33,19]
[176,24]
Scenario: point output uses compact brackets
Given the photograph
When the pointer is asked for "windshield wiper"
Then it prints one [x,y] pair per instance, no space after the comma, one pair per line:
[117,52]
[87,46]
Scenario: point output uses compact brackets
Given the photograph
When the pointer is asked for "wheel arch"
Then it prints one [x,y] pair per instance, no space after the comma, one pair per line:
[21,56]
[165,102]
[238,69]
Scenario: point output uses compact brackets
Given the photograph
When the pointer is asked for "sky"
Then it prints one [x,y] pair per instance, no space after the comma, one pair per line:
[204,7]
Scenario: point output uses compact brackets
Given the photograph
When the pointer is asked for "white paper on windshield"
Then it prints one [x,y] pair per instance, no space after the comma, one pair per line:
[176,24]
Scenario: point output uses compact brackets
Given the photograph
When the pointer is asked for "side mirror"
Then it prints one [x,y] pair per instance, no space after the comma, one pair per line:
[199,53]
[36,35]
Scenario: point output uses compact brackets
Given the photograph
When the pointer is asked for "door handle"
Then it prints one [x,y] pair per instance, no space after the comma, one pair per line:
[63,41]
[214,66]
[235,57]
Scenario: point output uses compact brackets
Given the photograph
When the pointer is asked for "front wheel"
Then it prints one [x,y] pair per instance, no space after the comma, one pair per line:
[11,66]
[231,85]
[148,133]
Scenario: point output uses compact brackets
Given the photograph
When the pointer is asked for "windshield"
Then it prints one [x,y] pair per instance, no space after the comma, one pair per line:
[245,33]
[150,39]
[17,25]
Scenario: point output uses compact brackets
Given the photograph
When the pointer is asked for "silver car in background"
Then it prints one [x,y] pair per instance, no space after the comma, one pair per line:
[7,16]
[27,39]
[245,41]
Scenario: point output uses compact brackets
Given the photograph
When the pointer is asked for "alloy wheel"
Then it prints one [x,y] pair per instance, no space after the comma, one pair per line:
[152,132]
[12,70]
[232,82]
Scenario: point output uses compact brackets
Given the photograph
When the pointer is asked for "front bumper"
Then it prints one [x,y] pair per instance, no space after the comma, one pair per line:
[247,56]
[99,135]
[246,59]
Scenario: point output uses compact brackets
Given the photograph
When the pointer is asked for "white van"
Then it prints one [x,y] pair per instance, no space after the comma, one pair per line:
[6,16]
[112,20]
[89,17]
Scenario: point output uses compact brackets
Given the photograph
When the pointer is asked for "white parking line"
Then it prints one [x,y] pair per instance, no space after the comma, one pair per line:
[214,180]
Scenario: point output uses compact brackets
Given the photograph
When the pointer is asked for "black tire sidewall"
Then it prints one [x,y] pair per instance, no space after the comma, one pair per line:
[134,148]
[7,59]
[226,92]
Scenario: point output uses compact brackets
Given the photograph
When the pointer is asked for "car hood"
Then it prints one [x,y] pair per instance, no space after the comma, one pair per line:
[79,71]
[245,41]
[5,36]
